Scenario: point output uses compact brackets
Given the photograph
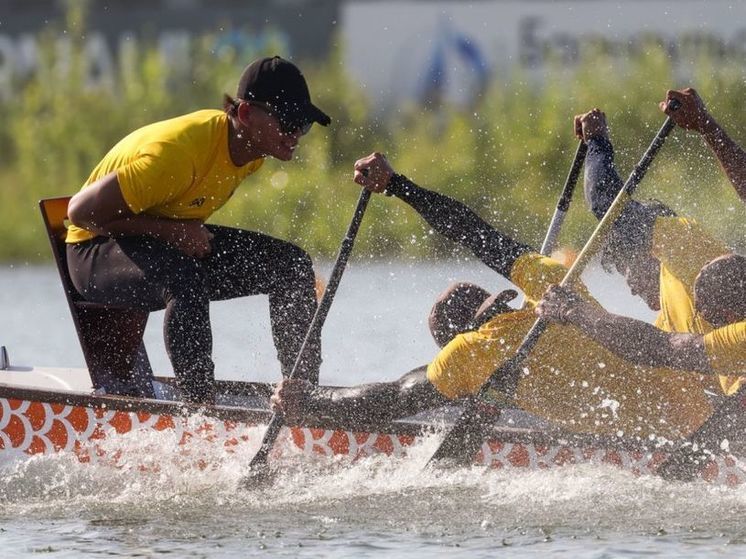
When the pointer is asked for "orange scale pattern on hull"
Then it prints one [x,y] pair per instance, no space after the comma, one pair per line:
[44,428]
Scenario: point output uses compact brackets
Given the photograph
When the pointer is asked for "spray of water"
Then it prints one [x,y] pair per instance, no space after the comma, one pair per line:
[150,475]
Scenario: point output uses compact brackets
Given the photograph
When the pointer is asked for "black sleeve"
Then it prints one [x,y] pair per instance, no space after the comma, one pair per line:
[459,223]
[602,182]
[378,402]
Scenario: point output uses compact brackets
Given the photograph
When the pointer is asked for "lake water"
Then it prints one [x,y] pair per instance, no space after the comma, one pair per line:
[57,507]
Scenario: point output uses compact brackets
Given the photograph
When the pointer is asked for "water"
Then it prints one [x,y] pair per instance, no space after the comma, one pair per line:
[57,507]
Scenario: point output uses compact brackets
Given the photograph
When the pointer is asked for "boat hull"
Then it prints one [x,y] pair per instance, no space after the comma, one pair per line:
[34,422]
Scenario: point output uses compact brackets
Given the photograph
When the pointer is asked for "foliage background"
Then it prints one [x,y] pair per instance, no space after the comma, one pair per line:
[506,156]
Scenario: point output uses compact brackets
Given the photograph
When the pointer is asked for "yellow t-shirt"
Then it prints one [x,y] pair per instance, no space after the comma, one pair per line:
[683,248]
[175,169]
[569,378]
[726,349]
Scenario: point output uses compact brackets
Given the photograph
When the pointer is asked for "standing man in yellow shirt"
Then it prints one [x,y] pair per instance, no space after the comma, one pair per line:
[138,236]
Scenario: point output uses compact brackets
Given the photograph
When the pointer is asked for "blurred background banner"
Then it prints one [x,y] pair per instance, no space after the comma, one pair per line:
[401,50]
[391,47]
[113,29]
[474,99]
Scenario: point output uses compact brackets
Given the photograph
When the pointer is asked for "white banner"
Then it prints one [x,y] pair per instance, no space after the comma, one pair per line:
[422,50]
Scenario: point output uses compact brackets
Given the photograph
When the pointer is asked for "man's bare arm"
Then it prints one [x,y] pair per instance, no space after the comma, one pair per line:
[634,340]
[693,115]
[731,156]
[101,209]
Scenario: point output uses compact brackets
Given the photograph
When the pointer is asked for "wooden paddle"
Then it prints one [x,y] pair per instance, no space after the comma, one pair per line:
[465,438]
[259,471]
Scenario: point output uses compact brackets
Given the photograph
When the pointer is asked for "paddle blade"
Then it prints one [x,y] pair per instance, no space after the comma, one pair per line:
[260,472]
[260,475]
[463,441]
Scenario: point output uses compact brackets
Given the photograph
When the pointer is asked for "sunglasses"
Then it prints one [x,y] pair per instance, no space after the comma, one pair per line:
[288,126]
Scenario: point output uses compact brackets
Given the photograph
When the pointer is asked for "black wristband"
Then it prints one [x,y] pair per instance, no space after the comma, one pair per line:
[397,185]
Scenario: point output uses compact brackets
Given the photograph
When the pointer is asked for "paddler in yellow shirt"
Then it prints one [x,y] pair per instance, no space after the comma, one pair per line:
[721,350]
[701,295]
[139,239]
[673,264]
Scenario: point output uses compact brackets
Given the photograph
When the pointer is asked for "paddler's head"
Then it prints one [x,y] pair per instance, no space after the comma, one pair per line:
[271,111]
[463,307]
[720,290]
[628,248]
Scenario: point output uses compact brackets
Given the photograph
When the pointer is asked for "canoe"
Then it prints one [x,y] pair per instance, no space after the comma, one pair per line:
[46,411]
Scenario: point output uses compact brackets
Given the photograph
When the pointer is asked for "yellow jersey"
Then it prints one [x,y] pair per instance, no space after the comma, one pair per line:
[683,247]
[175,169]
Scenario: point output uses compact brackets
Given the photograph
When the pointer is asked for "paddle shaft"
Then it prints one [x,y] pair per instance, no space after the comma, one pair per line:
[563,204]
[464,439]
[277,421]
[550,239]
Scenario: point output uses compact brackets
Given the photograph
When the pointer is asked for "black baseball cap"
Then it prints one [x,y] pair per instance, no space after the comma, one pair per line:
[280,84]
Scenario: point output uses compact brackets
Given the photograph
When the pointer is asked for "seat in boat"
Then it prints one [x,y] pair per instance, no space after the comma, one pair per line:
[111,337]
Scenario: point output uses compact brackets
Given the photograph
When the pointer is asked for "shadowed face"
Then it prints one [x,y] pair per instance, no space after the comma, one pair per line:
[464,307]
[454,310]
[716,315]
[265,134]
[641,271]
